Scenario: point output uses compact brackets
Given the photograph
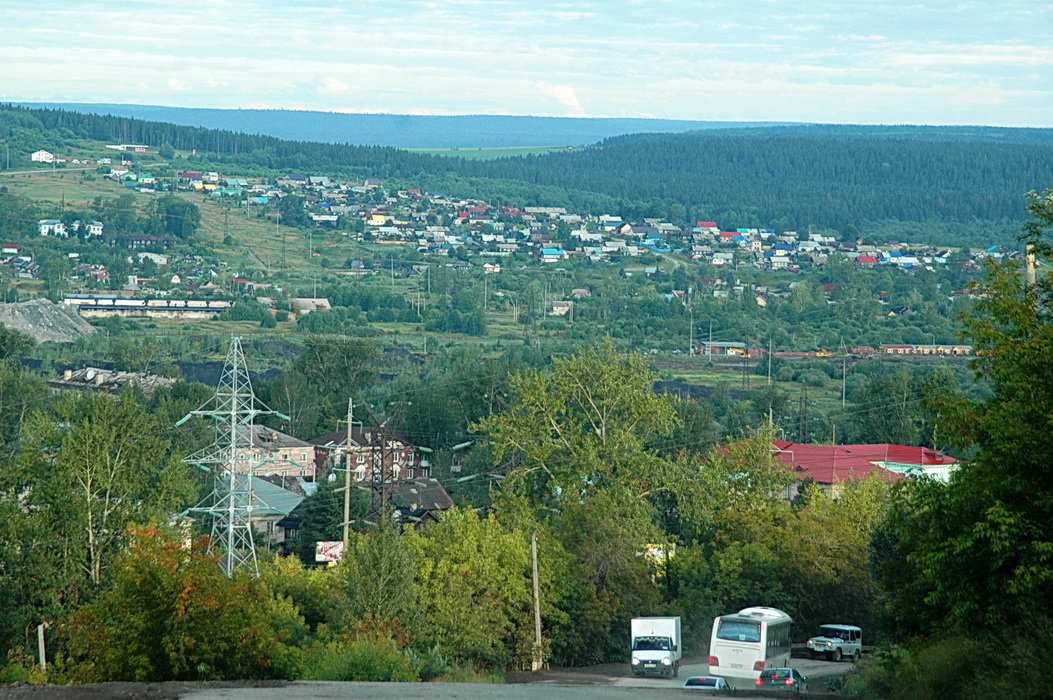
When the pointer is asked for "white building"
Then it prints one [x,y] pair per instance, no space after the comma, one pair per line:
[52,227]
[42,156]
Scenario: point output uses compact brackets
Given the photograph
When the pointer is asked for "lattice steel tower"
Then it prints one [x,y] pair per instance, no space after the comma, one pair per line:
[233,499]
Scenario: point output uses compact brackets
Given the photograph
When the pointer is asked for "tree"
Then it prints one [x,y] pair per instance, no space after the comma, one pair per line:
[577,444]
[333,369]
[378,569]
[886,411]
[20,394]
[337,366]
[175,216]
[91,468]
[581,426]
[473,583]
[171,614]
[977,554]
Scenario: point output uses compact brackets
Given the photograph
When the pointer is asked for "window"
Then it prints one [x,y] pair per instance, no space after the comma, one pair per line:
[735,631]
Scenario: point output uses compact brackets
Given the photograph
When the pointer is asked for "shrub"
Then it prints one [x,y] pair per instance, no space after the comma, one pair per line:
[431,664]
[359,660]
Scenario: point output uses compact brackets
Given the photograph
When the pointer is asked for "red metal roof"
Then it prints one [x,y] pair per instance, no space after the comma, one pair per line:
[830,464]
[866,259]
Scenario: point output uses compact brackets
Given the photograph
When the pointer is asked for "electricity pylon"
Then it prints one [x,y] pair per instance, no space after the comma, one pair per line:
[233,499]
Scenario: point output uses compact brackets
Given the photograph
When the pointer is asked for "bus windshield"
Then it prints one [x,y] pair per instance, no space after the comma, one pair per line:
[739,631]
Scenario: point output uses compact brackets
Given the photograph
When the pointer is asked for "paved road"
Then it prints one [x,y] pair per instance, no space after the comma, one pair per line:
[607,681]
[817,672]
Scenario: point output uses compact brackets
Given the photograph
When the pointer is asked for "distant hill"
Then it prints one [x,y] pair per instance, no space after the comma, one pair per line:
[402,130]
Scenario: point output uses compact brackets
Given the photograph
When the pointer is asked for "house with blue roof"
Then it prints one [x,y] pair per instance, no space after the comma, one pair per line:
[550,255]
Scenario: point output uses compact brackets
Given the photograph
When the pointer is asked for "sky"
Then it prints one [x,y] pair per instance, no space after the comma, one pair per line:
[987,62]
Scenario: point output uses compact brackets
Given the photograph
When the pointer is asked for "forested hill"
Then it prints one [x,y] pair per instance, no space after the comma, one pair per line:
[794,179]
[906,181]
[402,130]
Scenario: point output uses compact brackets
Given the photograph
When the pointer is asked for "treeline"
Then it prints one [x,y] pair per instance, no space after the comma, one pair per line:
[791,181]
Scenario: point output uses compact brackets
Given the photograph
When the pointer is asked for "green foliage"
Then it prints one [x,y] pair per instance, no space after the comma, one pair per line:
[171,614]
[473,585]
[14,344]
[174,216]
[378,571]
[20,394]
[582,426]
[359,660]
[91,468]
[968,566]
[978,553]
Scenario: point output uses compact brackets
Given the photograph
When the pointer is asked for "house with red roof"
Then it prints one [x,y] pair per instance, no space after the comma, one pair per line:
[831,466]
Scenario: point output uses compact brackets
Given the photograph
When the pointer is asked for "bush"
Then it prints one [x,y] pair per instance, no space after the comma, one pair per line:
[812,377]
[947,668]
[360,660]
[431,664]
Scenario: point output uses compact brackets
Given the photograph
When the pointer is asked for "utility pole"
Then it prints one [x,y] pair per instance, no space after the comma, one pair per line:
[769,361]
[347,473]
[691,329]
[1029,258]
[537,656]
[844,371]
[42,652]
[277,220]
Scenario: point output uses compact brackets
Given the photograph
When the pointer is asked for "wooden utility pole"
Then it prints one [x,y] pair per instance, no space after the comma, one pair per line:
[537,656]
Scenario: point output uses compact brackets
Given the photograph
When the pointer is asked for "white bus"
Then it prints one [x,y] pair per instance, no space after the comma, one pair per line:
[747,642]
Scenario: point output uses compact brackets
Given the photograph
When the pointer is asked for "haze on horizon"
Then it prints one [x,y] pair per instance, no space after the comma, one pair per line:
[832,61]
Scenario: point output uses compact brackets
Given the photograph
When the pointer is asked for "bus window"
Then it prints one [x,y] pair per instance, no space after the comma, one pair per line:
[734,631]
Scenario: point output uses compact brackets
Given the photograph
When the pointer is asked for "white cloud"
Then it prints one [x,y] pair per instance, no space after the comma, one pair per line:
[565,96]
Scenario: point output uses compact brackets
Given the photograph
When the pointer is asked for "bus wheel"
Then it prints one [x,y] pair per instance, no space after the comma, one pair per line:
[837,654]
[856,656]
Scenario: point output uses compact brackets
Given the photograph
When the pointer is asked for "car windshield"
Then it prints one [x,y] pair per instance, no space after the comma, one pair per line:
[834,632]
[651,644]
[739,631]
[776,673]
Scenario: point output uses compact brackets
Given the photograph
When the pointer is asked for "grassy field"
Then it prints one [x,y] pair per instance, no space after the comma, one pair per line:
[75,188]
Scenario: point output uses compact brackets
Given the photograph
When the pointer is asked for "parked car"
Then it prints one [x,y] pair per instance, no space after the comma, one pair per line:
[783,678]
[713,683]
